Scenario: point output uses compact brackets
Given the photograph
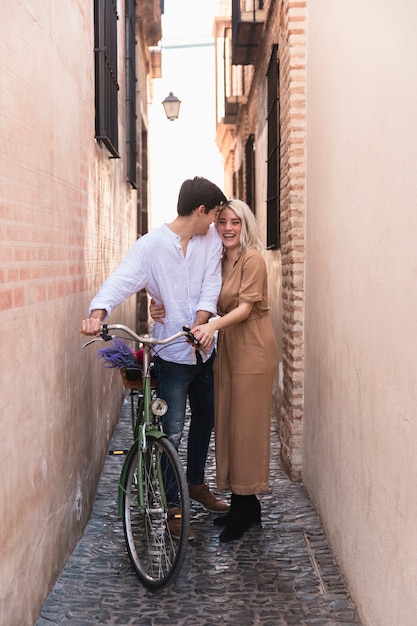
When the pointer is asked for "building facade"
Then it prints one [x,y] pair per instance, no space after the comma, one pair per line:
[261,63]
[76,81]
[317,127]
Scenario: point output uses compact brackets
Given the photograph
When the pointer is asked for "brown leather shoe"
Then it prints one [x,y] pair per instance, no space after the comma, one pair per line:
[174,523]
[203,495]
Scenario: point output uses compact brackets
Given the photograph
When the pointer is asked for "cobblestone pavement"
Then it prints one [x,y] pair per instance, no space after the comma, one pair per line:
[281,574]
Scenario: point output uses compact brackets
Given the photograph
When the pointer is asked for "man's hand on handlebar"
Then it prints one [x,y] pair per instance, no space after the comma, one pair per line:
[92,325]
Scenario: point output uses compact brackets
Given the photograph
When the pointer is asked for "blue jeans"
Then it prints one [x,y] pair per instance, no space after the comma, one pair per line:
[175,382]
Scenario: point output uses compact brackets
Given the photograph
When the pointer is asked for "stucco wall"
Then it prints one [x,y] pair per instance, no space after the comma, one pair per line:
[360,430]
[67,218]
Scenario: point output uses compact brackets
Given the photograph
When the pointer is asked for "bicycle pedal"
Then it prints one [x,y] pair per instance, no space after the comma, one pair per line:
[118,452]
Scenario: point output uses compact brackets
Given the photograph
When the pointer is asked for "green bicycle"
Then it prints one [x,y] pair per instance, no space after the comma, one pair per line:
[153,497]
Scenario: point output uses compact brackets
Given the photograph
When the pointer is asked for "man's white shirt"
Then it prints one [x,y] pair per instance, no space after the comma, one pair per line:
[183,284]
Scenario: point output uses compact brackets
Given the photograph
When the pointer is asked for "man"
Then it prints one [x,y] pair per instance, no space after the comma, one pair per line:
[179,265]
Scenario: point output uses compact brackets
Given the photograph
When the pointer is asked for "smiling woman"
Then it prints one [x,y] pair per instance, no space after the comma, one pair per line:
[229,227]
[245,361]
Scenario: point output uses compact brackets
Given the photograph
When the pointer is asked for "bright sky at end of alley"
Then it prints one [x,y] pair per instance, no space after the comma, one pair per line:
[188,19]
[186,147]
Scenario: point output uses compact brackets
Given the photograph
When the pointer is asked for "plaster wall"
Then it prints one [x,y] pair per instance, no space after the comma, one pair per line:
[360,429]
[67,217]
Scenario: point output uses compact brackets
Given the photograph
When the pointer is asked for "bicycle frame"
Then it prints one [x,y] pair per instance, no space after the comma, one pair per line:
[153,497]
[146,423]
[146,426]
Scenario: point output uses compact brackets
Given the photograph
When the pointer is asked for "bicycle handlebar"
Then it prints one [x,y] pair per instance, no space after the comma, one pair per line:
[144,339]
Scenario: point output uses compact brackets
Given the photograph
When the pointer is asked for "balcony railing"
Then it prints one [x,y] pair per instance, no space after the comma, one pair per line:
[231,108]
[247,26]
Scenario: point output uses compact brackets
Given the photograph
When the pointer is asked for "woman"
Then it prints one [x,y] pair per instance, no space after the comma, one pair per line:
[244,370]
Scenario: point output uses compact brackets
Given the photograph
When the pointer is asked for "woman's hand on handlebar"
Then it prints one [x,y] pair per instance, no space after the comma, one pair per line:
[204,333]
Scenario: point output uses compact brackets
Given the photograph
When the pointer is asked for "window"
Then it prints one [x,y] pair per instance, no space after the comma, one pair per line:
[240,182]
[273,160]
[235,185]
[106,85]
[131,137]
[250,172]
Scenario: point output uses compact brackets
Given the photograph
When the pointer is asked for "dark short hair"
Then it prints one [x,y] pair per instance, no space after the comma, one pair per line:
[196,191]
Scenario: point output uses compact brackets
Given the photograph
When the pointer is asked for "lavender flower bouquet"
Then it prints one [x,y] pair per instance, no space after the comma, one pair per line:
[118,355]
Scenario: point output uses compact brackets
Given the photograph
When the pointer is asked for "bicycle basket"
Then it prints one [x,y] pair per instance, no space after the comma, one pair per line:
[132,378]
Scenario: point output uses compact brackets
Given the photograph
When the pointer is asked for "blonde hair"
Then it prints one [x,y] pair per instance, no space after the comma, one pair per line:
[249,236]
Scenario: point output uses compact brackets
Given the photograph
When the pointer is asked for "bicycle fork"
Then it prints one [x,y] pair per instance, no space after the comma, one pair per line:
[144,462]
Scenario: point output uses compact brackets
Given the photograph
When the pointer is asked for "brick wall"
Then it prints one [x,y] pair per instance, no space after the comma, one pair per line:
[285,25]
[42,255]
[292,55]
[67,218]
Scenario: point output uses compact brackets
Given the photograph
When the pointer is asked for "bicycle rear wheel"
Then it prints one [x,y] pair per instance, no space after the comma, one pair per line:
[156,546]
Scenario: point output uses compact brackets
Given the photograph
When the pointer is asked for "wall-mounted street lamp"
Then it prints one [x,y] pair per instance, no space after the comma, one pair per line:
[171,105]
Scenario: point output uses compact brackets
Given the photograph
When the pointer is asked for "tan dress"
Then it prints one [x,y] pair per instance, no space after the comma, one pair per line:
[243,376]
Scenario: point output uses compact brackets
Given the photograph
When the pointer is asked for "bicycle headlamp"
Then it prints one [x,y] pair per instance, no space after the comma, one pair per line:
[159,407]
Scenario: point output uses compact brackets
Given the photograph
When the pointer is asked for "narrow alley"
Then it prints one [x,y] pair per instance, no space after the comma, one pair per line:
[281,574]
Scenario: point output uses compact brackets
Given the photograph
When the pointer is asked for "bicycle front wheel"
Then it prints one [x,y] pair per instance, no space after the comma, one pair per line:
[156,522]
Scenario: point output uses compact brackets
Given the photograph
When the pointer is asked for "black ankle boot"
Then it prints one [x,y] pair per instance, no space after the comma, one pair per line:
[244,511]
[222,519]
[254,510]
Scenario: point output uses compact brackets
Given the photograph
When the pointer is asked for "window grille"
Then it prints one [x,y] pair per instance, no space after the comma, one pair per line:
[234,185]
[273,160]
[143,177]
[240,182]
[250,172]
[131,117]
[106,85]
[247,30]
